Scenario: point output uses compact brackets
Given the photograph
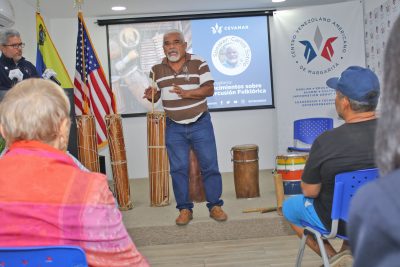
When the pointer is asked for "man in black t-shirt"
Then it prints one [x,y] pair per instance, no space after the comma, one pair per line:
[345,148]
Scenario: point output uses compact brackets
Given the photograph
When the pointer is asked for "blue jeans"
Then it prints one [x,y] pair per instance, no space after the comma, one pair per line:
[179,139]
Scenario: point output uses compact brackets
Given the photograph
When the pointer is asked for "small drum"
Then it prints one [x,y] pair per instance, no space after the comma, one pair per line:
[291,168]
[245,170]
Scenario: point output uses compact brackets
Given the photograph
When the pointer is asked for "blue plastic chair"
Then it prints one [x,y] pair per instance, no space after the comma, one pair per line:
[58,256]
[346,185]
[307,130]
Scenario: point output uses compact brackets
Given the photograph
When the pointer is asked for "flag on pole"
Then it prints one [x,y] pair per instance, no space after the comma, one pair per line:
[47,56]
[92,94]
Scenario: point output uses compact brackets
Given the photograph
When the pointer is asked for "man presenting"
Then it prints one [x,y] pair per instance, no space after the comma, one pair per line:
[346,148]
[185,81]
[13,66]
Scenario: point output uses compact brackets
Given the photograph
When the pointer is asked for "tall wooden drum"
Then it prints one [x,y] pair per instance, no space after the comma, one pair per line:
[196,187]
[157,159]
[245,170]
[87,142]
[119,164]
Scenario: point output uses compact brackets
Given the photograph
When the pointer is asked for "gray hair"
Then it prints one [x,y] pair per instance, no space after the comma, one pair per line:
[6,34]
[387,142]
[176,31]
[34,109]
[358,106]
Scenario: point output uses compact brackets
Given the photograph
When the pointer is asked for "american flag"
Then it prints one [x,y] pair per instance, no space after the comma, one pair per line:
[92,94]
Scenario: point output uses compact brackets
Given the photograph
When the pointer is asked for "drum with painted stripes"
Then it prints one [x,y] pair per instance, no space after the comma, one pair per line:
[291,168]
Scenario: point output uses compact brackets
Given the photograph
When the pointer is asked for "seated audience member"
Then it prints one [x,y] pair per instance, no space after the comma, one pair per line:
[345,148]
[374,229]
[45,198]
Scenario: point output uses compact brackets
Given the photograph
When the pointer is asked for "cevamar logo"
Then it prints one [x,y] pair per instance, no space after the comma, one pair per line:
[318,45]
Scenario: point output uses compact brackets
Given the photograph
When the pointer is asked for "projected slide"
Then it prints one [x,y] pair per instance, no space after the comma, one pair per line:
[236,49]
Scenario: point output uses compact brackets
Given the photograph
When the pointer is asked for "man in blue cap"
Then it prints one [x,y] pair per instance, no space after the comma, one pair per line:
[345,148]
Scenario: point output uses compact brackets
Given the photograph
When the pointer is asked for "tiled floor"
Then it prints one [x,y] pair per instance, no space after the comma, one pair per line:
[248,239]
[271,252]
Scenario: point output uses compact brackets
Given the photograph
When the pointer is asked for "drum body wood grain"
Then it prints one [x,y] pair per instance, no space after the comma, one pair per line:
[246,171]
[196,187]
[157,159]
[116,145]
[87,142]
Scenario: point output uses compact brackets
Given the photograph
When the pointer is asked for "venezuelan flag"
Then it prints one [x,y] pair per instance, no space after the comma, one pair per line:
[47,55]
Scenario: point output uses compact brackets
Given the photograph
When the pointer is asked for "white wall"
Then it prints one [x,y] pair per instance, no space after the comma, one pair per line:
[371,4]
[231,127]
[25,23]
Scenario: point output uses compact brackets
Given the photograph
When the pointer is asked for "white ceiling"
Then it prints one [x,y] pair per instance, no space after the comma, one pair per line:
[145,8]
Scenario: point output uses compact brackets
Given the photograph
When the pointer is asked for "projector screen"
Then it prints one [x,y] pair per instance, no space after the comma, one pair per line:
[236,48]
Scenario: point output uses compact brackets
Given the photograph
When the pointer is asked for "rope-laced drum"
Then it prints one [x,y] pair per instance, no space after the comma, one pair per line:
[87,142]
[119,166]
[157,159]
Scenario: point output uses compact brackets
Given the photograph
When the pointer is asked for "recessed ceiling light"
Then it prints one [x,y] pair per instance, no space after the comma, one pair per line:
[118,8]
[277,1]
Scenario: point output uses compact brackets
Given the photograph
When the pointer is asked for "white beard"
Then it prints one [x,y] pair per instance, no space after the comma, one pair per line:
[174,58]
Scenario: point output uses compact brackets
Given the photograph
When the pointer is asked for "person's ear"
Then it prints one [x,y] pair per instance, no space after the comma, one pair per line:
[64,133]
[346,102]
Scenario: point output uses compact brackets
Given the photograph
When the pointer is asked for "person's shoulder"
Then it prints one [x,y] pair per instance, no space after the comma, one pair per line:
[328,134]
[390,183]
[384,187]
[95,175]
[196,57]
[96,179]
[24,61]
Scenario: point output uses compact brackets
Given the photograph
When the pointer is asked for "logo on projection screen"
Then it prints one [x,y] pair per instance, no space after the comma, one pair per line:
[318,45]
[231,55]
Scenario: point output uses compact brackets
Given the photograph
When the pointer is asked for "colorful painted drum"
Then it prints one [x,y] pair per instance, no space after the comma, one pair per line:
[291,168]
[291,188]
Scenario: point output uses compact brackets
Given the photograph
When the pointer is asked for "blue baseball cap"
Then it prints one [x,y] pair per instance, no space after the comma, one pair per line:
[357,83]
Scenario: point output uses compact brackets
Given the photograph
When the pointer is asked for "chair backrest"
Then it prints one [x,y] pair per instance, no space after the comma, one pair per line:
[59,256]
[346,185]
[306,130]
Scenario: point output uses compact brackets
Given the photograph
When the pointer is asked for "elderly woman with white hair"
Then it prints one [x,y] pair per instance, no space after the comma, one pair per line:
[45,198]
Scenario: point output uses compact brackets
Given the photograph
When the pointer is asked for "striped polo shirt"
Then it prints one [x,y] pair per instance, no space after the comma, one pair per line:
[194,73]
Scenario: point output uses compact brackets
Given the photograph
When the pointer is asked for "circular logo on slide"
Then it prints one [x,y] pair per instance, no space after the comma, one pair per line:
[231,55]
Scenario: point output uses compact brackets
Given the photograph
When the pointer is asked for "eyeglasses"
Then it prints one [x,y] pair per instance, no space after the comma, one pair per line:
[16,46]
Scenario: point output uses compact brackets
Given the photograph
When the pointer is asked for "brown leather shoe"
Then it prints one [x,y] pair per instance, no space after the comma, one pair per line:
[184,217]
[218,214]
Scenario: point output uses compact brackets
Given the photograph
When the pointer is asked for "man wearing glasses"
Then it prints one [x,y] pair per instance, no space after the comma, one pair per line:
[12,63]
